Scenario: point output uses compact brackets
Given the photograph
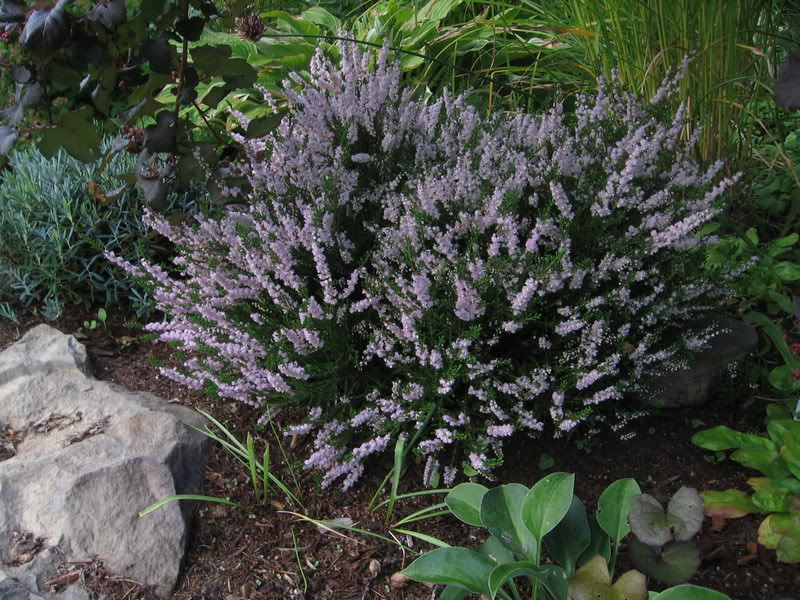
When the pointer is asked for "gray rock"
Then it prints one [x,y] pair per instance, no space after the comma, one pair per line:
[692,386]
[89,455]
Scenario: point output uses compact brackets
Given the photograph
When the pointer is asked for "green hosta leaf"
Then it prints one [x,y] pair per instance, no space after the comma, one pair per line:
[593,582]
[453,566]
[464,501]
[769,463]
[600,543]
[730,504]
[453,592]
[553,578]
[500,514]
[614,506]
[778,428]
[675,563]
[690,592]
[547,502]
[495,551]
[570,537]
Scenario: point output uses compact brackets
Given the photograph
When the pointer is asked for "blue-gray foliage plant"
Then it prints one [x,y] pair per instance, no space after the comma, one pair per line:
[54,232]
[406,262]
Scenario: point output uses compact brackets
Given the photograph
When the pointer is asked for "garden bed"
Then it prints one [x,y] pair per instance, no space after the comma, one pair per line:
[233,555]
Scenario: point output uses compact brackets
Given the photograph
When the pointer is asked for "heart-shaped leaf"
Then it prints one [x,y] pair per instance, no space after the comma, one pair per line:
[673,564]
[464,501]
[161,136]
[648,521]
[109,12]
[46,30]
[191,28]
[685,513]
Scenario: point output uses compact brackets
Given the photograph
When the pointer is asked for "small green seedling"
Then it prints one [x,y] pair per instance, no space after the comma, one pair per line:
[95,323]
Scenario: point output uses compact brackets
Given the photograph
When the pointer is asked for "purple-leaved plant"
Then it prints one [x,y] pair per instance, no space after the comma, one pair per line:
[407,262]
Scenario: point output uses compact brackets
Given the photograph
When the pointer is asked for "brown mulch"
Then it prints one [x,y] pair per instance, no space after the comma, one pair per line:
[271,554]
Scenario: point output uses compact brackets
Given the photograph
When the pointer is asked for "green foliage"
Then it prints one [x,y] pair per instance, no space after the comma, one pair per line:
[520,521]
[56,221]
[645,40]
[777,456]
[662,546]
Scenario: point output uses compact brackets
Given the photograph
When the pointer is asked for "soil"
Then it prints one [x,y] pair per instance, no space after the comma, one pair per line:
[273,554]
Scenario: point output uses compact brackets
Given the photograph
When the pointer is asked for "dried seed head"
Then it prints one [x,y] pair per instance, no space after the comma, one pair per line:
[250,27]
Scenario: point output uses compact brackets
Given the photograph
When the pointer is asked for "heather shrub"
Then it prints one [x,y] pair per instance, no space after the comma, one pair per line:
[54,232]
[412,265]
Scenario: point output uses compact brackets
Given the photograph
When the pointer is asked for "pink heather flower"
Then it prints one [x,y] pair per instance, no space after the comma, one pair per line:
[391,247]
[500,430]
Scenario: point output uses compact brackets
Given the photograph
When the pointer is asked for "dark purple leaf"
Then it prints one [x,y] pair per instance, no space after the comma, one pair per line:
[46,30]
[191,28]
[787,86]
[161,136]
[109,12]
[8,135]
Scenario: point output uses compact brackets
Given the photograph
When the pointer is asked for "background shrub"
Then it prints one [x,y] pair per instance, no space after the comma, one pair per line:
[411,265]
[53,232]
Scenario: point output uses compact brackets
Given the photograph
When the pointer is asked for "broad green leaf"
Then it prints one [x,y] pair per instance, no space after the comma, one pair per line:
[686,510]
[787,271]
[674,564]
[648,521]
[453,566]
[769,463]
[453,592]
[593,582]
[501,515]
[771,500]
[614,506]
[717,438]
[600,543]
[495,551]
[690,592]
[567,541]
[553,578]
[547,502]
[788,549]
[730,504]
[464,501]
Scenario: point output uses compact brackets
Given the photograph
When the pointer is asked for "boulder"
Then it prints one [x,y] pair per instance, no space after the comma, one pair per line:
[692,386]
[80,458]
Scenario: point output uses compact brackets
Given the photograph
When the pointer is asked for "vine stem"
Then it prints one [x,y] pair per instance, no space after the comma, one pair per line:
[182,70]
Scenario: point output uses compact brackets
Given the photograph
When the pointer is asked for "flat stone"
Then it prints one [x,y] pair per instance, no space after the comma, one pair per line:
[86,456]
[693,386]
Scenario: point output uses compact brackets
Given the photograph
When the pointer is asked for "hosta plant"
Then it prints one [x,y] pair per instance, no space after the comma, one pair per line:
[777,493]
[409,264]
[662,545]
[524,524]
